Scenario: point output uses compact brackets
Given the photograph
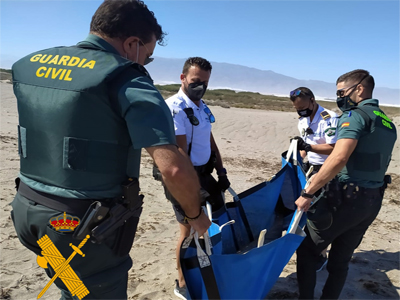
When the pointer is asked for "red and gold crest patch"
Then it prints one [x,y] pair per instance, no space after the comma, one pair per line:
[64,222]
[345,124]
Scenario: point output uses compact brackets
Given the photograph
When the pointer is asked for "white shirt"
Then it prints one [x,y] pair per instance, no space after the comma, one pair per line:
[324,132]
[201,144]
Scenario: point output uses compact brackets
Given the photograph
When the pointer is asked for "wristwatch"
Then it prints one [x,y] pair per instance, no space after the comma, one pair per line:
[305,195]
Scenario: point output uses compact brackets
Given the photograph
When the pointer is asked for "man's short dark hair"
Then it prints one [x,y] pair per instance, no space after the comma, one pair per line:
[202,63]
[125,18]
[356,76]
[305,93]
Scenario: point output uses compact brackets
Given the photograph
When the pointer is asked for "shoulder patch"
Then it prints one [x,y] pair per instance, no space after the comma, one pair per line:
[325,115]
[345,124]
[331,131]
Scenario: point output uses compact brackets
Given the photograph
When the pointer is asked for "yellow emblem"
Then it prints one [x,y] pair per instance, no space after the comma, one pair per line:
[61,266]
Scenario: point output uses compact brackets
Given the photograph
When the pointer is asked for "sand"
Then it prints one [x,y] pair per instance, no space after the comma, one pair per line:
[251,143]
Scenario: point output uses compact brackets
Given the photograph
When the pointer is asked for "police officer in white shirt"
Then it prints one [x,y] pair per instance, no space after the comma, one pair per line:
[317,127]
[192,120]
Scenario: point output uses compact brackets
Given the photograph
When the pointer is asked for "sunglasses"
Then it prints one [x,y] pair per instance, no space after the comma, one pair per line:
[192,118]
[147,60]
[209,114]
[296,93]
[341,92]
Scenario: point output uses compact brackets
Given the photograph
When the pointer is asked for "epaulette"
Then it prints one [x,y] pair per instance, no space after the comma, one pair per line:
[325,115]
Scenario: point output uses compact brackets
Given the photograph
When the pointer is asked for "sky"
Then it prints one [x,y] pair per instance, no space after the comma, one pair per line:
[318,40]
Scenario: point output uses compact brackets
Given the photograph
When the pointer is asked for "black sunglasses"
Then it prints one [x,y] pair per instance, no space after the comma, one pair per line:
[340,93]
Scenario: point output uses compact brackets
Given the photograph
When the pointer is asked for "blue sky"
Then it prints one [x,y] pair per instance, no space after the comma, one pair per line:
[317,40]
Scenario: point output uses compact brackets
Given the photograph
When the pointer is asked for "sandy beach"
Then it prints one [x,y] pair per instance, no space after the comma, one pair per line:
[251,143]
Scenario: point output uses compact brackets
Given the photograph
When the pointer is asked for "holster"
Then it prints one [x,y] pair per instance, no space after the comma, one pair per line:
[121,219]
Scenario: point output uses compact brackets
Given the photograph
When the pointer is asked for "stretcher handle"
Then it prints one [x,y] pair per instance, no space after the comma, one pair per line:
[295,223]
[292,150]
[233,193]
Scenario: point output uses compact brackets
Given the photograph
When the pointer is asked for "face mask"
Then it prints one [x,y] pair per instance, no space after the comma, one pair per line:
[196,90]
[305,112]
[345,103]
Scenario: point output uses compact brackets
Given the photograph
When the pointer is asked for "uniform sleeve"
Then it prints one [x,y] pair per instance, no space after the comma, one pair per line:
[179,117]
[147,115]
[350,126]
[330,131]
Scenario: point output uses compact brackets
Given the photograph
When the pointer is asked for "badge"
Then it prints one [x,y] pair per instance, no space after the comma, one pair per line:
[346,124]
[64,223]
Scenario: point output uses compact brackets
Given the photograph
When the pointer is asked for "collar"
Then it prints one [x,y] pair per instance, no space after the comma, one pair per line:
[189,103]
[98,42]
[374,102]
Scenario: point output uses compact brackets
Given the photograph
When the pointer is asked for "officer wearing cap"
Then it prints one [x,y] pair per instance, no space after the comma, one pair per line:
[192,121]
[355,176]
[85,113]
[317,127]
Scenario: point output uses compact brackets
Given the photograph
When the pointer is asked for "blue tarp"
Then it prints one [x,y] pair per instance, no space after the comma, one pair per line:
[235,268]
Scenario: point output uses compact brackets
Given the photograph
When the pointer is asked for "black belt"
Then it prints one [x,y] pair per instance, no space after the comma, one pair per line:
[73,206]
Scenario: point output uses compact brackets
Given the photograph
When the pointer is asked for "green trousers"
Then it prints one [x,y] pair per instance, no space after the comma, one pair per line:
[103,273]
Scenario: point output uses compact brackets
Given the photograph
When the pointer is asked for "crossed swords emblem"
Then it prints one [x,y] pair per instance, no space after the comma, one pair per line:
[61,266]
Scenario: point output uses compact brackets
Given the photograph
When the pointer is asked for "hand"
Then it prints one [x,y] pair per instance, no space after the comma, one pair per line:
[223,182]
[201,224]
[301,144]
[303,203]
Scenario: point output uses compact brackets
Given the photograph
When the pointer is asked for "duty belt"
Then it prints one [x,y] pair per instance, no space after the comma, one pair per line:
[71,205]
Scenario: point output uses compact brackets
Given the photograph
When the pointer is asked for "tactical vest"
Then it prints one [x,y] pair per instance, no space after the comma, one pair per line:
[71,134]
[373,152]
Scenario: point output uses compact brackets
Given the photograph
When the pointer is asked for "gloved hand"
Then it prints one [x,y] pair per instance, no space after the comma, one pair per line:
[223,182]
[301,144]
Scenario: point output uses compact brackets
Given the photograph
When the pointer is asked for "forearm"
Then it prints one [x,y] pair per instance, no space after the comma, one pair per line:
[322,148]
[218,165]
[179,177]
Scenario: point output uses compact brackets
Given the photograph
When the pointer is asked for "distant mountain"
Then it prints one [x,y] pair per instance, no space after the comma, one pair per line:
[237,77]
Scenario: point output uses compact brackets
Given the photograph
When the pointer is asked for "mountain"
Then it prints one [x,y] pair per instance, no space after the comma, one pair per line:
[237,77]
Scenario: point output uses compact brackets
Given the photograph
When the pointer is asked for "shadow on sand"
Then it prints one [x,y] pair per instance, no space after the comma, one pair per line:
[367,278]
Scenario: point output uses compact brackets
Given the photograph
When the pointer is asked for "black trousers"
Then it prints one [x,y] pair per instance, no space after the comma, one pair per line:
[344,230]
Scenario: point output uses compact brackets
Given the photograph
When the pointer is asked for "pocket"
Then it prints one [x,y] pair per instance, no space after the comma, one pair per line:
[319,216]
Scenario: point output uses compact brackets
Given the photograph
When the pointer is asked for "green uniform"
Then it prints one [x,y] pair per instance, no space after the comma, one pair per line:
[85,113]
[368,163]
[340,219]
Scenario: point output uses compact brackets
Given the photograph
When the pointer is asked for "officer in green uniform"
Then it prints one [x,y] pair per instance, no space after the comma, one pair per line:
[355,178]
[85,113]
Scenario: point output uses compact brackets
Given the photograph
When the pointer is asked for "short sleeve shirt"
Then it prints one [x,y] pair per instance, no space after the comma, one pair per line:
[199,136]
[323,132]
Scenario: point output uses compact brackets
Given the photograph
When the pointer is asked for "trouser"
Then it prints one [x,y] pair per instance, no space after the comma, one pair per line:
[344,231]
[103,273]
[210,185]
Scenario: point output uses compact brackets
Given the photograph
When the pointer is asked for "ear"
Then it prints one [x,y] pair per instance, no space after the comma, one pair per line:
[129,43]
[183,77]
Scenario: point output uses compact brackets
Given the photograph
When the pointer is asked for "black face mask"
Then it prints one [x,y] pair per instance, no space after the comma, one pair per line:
[345,103]
[305,112]
[196,90]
